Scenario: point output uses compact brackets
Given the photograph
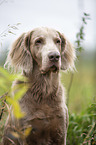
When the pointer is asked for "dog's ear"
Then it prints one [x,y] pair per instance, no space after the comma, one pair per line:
[67,54]
[20,55]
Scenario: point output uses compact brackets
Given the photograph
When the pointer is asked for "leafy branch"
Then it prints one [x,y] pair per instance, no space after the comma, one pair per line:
[19,89]
[6,80]
[80,37]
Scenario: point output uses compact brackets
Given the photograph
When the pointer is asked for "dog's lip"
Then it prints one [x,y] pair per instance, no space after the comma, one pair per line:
[52,68]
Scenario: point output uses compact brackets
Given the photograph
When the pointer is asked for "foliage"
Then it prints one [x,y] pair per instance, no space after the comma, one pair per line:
[82,127]
[9,30]
[80,35]
[6,80]
[83,88]
[78,45]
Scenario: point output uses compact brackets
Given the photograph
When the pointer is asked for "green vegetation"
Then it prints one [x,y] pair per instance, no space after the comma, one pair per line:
[81,96]
[82,127]
[82,102]
[82,92]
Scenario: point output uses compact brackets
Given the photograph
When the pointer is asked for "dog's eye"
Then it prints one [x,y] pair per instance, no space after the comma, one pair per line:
[58,41]
[38,41]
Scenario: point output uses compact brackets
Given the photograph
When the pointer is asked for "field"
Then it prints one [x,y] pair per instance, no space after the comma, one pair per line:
[82,91]
[82,94]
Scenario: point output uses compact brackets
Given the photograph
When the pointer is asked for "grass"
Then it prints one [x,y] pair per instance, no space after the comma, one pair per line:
[2,121]
[82,94]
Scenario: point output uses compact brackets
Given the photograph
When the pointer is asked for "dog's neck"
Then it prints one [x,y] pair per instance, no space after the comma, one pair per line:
[49,81]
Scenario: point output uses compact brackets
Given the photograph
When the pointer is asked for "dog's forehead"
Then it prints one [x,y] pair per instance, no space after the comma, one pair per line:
[44,32]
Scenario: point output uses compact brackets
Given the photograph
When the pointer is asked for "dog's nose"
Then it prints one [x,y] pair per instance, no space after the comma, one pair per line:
[54,56]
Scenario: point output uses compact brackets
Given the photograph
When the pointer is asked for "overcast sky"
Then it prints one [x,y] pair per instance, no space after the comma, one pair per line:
[63,15]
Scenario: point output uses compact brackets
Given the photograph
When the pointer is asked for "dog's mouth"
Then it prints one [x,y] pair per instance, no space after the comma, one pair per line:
[53,68]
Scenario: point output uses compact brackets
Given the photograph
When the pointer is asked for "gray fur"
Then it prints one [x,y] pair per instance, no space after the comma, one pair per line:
[44,102]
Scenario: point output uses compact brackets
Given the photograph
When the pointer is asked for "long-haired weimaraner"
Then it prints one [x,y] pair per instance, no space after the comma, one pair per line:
[41,54]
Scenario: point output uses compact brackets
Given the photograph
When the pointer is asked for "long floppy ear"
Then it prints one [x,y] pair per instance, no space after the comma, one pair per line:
[67,54]
[19,56]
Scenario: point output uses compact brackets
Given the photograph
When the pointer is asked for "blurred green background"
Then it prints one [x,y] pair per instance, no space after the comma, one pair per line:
[83,89]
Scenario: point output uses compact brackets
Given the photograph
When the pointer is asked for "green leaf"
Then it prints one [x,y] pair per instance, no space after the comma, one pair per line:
[4,72]
[16,108]
[18,24]
[19,90]
[81,30]
[15,134]
[81,37]
[3,85]
[27,131]
[78,42]
[14,27]
[85,14]
[78,35]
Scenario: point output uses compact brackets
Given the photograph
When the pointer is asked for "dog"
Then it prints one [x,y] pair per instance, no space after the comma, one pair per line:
[41,54]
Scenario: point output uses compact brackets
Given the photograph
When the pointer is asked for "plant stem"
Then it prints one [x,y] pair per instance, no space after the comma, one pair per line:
[69,88]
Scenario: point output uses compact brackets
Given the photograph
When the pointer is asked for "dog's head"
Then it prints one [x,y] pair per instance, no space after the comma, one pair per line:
[47,47]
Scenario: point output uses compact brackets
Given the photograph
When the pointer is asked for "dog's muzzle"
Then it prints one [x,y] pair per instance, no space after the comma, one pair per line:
[54,61]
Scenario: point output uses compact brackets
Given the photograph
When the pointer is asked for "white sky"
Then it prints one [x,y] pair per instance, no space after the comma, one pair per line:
[63,15]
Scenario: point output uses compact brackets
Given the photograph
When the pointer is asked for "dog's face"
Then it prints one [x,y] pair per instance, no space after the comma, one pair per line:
[48,47]
[45,47]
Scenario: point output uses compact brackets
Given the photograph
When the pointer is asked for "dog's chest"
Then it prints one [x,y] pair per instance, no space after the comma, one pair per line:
[41,104]
[46,118]
[43,112]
